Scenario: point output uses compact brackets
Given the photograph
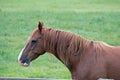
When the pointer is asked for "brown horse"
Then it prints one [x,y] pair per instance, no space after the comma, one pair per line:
[85,59]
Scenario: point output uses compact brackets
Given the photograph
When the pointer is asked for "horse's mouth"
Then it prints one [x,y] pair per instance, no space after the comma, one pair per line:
[24,61]
[23,64]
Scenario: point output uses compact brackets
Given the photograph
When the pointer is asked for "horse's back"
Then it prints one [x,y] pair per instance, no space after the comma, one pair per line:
[113,62]
[109,58]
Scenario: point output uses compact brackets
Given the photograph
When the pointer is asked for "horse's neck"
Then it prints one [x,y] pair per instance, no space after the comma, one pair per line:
[63,44]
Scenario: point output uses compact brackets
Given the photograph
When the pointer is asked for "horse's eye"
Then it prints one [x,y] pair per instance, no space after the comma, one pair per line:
[33,41]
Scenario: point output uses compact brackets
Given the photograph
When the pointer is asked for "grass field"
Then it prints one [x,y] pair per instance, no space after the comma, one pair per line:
[93,19]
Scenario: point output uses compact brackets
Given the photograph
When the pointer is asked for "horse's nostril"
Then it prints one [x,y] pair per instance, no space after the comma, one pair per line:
[23,60]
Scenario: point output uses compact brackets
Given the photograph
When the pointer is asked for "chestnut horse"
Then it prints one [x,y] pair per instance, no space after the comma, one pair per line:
[85,59]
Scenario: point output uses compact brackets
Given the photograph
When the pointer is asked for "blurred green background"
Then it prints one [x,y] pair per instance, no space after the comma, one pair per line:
[93,19]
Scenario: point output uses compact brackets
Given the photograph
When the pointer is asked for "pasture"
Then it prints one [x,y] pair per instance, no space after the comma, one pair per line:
[93,19]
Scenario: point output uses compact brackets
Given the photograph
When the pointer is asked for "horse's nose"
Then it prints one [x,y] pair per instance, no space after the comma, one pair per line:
[24,61]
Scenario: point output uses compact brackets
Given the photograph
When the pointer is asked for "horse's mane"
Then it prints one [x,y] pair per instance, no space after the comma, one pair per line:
[64,44]
[64,38]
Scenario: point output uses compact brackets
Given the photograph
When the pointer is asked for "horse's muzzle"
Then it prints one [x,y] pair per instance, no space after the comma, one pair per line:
[24,61]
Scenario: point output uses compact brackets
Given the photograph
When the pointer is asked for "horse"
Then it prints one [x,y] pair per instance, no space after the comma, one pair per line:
[85,59]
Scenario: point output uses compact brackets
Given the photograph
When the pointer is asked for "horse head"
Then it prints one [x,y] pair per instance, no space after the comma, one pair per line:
[33,48]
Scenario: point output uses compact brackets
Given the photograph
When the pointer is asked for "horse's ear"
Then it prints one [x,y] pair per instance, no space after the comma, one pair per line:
[40,26]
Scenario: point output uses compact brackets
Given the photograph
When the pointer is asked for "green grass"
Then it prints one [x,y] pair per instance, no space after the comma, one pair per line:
[93,19]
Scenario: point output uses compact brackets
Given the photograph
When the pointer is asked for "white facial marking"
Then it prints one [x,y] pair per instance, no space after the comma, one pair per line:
[20,54]
[25,64]
[104,79]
